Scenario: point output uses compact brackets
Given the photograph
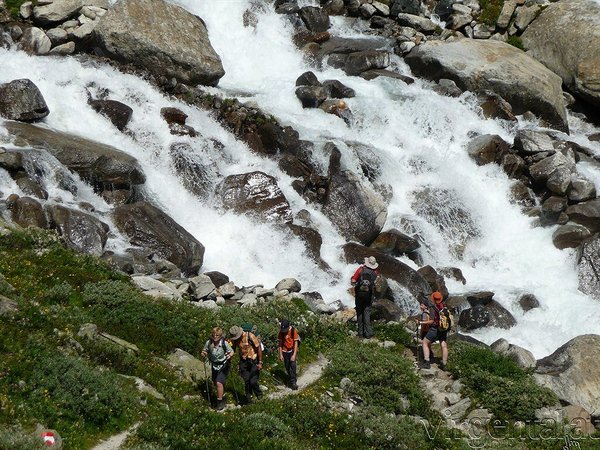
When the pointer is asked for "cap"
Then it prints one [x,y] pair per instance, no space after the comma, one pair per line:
[437,296]
[235,332]
[285,325]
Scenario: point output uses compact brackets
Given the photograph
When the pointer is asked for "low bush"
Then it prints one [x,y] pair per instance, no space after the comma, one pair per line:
[15,438]
[490,10]
[498,383]
[379,377]
[393,332]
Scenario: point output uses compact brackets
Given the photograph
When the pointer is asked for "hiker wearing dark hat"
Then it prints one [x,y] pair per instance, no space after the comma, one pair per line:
[363,281]
[436,330]
[251,360]
[219,353]
[288,350]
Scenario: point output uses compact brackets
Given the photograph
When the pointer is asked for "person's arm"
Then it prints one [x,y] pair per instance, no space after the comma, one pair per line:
[205,350]
[228,350]
[354,278]
[280,347]
[295,338]
[427,322]
[256,345]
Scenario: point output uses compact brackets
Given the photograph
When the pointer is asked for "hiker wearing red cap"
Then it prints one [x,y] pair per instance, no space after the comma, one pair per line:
[438,329]
[363,281]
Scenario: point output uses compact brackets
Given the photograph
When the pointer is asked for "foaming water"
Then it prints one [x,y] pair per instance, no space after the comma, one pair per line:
[414,138]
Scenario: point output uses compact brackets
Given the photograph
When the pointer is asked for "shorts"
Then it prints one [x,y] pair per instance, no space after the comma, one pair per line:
[219,376]
[436,335]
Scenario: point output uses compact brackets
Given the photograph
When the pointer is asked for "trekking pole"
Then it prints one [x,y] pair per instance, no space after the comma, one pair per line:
[207,385]
[235,393]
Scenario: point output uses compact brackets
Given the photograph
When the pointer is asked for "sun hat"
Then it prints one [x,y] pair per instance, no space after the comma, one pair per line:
[235,332]
[437,296]
[371,262]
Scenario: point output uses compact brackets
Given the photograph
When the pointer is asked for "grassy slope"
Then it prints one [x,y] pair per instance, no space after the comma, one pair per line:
[52,376]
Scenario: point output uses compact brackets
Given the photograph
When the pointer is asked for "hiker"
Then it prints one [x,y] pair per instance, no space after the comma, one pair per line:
[288,350]
[436,332]
[251,361]
[363,281]
[219,353]
[423,324]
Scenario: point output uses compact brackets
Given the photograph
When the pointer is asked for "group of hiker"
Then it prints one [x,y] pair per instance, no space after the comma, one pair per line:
[220,350]
[432,325]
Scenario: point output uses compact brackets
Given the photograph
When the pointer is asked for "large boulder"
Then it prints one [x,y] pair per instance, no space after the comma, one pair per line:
[573,372]
[257,194]
[355,209]
[480,65]
[159,37]
[81,231]
[390,268]
[22,100]
[492,314]
[586,214]
[148,227]
[28,212]
[103,166]
[48,13]
[566,39]
[589,267]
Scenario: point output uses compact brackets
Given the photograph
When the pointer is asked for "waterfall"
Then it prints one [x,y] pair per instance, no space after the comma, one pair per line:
[418,136]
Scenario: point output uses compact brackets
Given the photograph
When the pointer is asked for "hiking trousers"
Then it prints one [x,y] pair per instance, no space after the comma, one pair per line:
[249,373]
[290,366]
[363,317]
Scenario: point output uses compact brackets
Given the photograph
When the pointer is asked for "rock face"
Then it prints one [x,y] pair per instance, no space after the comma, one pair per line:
[255,193]
[566,39]
[22,100]
[573,372]
[589,267]
[81,231]
[159,37]
[148,227]
[103,166]
[480,65]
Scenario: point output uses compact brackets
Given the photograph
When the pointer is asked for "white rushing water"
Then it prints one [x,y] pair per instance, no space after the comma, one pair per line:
[418,135]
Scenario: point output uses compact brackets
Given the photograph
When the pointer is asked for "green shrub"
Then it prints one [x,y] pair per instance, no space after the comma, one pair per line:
[15,438]
[498,383]
[379,377]
[393,332]
[67,388]
[516,41]
[60,293]
[490,10]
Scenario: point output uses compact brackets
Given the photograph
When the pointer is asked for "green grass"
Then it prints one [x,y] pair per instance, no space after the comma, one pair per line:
[490,10]
[516,41]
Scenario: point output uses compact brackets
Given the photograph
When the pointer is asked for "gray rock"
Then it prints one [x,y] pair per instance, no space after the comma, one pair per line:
[586,214]
[529,142]
[574,53]
[480,65]
[573,372]
[582,189]
[83,32]
[101,165]
[256,194]
[155,287]
[174,43]
[525,15]
[395,243]
[56,11]
[26,10]
[570,235]
[589,267]
[315,19]
[187,367]
[493,314]
[405,7]
[118,113]
[289,284]
[201,286]
[22,100]
[544,169]
[458,410]
[359,62]
[528,302]
[522,357]
[28,212]
[148,227]
[487,149]
[311,96]
[57,36]
[227,290]
[63,49]
[417,22]
[508,8]
[8,307]
[82,232]
[144,387]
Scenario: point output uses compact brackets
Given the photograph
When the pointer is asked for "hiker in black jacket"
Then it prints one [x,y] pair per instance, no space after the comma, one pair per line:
[363,281]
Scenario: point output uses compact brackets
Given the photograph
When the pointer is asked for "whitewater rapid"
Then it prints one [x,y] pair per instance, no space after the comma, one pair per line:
[418,135]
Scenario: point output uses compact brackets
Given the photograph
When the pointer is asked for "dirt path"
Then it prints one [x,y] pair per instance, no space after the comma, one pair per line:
[310,374]
[115,442]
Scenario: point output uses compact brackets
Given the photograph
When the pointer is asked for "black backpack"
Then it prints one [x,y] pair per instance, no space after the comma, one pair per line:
[365,283]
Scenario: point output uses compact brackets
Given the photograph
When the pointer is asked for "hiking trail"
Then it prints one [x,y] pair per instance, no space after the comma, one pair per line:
[310,373]
[114,442]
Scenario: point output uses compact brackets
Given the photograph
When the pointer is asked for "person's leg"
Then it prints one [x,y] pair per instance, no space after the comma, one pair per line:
[426,345]
[292,373]
[245,374]
[360,309]
[367,322]
[444,345]
[254,375]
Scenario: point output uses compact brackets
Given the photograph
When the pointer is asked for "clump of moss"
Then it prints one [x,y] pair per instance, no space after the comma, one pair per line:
[490,10]
[516,41]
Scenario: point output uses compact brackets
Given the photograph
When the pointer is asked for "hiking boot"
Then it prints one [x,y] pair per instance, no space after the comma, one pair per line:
[259,396]
[426,365]
[442,365]
[248,399]
[220,404]
[294,387]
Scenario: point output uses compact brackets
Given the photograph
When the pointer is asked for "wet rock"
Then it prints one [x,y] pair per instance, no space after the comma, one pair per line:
[528,302]
[22,100]
[589,267]
[359,62]
[586,214]
[28,212]
[315,19]
[48,13]
[118,113]
[35,41]
[491,314]
[487,149]
[82,232]
[307,79]
[311,96]
[336,89]
[386,310]
[395,243]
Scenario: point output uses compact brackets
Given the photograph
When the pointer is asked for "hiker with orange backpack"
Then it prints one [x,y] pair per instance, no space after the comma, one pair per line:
[251,360]
[439,324]
[219,353]
[288,350]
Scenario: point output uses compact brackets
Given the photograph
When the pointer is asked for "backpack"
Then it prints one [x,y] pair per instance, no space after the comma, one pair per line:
[365,282]
[444,318]
[423,329]
[250,328]
[299,338]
